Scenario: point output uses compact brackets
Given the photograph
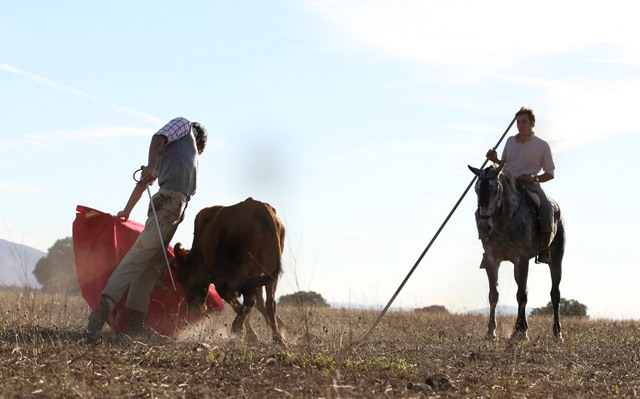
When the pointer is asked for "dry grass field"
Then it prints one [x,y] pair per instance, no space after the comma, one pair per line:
[409,355]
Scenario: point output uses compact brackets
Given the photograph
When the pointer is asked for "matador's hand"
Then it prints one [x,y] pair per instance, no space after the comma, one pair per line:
[148,175]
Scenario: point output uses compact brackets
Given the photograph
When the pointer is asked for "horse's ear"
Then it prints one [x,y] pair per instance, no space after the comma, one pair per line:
[475,171]
[499,169]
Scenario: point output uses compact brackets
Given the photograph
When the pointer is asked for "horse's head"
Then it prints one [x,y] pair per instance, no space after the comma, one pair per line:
[489,190]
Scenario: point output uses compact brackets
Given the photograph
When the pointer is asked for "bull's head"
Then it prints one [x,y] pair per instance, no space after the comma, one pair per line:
[194,281]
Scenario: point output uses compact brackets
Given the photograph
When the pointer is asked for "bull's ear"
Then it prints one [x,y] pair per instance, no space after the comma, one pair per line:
[180,253]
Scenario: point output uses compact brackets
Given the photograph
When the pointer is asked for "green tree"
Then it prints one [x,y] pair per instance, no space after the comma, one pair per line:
[303,298]
[567,307]
[56,272]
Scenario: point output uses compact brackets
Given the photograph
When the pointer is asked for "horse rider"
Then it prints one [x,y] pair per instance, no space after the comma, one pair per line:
[524,156]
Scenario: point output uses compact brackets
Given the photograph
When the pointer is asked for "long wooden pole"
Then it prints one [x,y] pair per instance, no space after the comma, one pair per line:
[446,220]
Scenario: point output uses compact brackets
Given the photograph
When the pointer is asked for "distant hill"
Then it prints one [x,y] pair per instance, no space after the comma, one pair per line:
[500,309]
[17,262]
[356,305]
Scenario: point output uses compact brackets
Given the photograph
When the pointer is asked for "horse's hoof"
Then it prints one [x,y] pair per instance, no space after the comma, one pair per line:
[491,336]
[557,331]
[520,336]
[559,338]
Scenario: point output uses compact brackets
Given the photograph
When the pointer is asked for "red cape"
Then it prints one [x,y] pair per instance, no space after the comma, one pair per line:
[100,241]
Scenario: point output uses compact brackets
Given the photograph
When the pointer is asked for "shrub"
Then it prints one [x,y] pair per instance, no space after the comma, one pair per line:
[433,309]
[567,307]
[303,298]
[56,272]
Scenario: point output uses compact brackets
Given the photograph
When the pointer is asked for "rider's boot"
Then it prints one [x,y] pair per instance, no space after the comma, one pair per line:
[544,255]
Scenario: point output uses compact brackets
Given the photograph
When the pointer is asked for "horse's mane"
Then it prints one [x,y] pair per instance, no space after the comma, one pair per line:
[508,182]
[509,190]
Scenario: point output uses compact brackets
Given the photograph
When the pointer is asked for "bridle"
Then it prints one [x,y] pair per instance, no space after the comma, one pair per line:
[485,194]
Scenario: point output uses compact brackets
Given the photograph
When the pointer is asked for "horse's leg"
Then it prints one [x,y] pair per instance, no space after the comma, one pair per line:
[521,273]
[492,275]
[557,253]
[556,276]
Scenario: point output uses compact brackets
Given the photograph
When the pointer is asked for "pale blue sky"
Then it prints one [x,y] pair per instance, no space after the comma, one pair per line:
[356,120]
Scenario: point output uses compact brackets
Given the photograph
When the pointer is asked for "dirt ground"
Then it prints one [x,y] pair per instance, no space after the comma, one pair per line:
[409,355]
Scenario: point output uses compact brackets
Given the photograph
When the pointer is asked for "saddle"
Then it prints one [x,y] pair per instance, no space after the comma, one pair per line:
[531,197]
[533,200]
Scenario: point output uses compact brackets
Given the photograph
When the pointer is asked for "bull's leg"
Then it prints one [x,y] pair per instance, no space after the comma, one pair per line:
[248,328]
[271,312]
[242,312]
[263,310]
[492,275]
[556,276]
[521,274]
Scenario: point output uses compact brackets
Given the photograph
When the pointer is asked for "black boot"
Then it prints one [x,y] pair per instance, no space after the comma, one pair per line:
[99,316]
[139,331]
[543,253]
[543,256]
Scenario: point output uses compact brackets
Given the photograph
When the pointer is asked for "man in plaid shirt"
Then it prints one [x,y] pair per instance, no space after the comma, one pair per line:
[173,161]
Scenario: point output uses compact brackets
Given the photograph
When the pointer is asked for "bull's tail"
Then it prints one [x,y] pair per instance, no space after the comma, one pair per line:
[263,280]
[273,230]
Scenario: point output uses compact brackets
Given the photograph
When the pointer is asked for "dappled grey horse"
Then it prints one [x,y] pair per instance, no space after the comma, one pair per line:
[509,231]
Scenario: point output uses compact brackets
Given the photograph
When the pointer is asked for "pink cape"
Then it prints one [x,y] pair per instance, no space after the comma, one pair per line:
[100,241]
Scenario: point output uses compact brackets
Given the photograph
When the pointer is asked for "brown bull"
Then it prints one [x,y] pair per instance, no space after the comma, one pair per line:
[238,248]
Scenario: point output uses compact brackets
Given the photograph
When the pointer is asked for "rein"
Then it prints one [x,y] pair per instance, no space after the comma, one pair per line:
[519,205]
[500,202]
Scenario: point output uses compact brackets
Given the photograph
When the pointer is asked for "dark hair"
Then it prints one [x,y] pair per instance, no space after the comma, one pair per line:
[201,136]
[529,112]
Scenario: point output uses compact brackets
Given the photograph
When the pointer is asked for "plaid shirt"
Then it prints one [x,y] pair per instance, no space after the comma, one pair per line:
[176,129]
